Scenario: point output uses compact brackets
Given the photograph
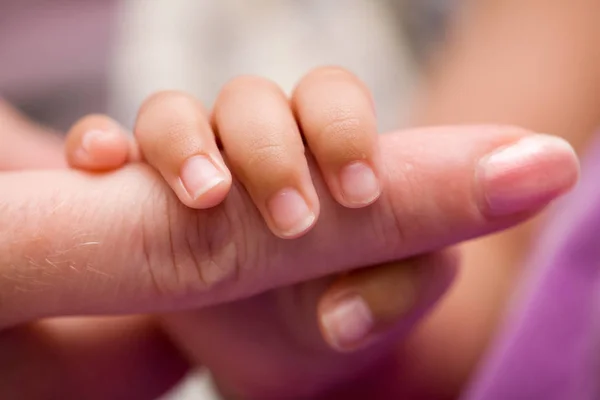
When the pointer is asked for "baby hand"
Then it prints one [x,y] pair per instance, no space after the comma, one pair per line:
[256,133]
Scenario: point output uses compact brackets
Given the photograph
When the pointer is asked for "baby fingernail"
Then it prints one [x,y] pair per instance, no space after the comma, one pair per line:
[527,174]
[96,137]
[359,184]
[290,213]
[348,323]
[199,175]
[88,139]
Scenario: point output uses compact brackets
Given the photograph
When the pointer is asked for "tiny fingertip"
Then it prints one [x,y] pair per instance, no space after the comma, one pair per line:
[101,149]
[359,184]
[205,181]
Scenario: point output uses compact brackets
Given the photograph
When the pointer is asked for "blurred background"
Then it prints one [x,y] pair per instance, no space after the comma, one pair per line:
[61,60]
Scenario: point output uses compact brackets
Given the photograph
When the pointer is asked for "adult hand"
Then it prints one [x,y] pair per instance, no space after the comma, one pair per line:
[64,258]
[281,348]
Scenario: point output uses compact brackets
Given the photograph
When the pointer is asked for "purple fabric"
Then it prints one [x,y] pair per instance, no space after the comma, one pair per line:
[550,347]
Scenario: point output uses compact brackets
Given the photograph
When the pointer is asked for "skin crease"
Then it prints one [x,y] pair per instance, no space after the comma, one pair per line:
[207,327]
[54,187]
[240,380]
[440,357]
[135,192]
[447,375]
[92,358]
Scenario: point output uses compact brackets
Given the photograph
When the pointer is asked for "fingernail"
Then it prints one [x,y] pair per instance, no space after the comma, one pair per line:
[89,137]
[199,176]
[348,323]
[95,136]
[290,213]
[96,140]
[528,174]
[359,184]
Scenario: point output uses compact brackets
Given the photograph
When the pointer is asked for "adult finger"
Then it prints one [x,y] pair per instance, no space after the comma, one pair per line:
[352,314]
[122,243]
[369,304]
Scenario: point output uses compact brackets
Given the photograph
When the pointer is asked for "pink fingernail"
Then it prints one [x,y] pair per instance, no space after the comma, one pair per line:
[199,175]
[359,184]
[348,323]
[89,138]
[96,137]
[290,213]
[528,174]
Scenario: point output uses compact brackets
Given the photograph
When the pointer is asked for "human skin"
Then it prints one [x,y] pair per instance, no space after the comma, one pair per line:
[165,146]
[527,63]
[530,63]
[173,128]
[571,113]
[66,258]
[134,198]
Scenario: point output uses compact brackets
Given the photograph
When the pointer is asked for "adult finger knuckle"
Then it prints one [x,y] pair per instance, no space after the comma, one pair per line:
[189,252]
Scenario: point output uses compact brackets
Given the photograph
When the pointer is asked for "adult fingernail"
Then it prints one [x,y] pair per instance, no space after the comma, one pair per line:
[199,175]
[347,323]
[527,174]
[290,213]
[359,184]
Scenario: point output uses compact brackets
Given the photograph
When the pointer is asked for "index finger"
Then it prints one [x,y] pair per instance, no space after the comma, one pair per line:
[122,243]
